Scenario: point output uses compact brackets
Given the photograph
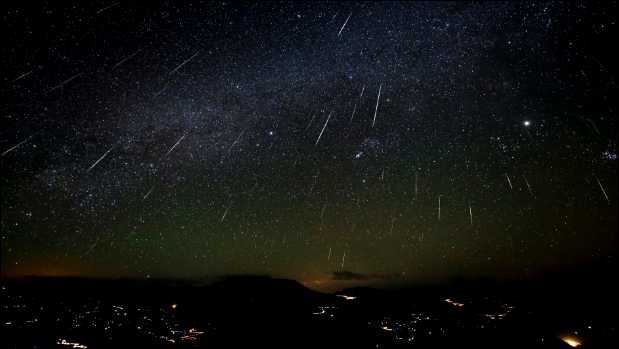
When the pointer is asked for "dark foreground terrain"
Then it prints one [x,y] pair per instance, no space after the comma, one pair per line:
[265,312]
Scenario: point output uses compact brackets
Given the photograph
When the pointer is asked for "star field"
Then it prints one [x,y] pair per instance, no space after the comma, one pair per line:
[405,142]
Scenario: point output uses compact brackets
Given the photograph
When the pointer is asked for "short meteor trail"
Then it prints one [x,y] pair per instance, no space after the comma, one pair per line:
[108,7]
[376,108]
[602,189]
[332,18]
[162,89]
[528,185]
[236,141]
[353,113]
[126,59]
[175,144]
[65,82]
[439,207]
[225,213]
[323,128]
[185,62]
[343,261]
[322,214]
[471,214]
[338,34]
[310,123]
[99,160]
[91,247]
[314,181]
[509,181]
[148,193]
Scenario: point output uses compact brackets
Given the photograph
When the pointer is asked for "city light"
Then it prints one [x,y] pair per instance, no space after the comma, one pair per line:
[455,304]
[571,341]
[348,298]
[71,344]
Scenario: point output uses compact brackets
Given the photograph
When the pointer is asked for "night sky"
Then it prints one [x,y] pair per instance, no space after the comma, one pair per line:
[329,143]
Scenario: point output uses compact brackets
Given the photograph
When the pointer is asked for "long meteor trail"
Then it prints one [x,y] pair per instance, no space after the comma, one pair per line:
[344,25]
[602,189]
[175,144]
[323,128]
[17,145]
[99,160]
[22,76]
[376,108]
[185,62]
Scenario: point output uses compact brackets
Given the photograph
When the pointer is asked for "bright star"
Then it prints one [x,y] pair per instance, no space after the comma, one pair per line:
[527,123]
